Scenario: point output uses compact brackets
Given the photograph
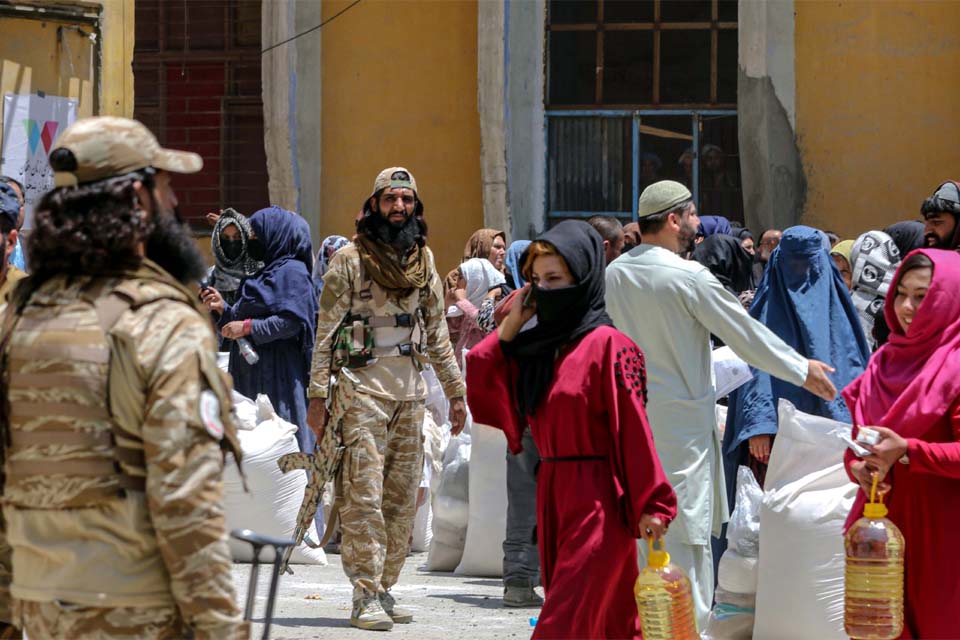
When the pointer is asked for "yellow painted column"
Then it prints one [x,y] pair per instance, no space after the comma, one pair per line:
[400,88]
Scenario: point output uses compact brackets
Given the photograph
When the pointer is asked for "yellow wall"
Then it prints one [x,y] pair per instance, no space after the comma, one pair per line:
[878,108]
[31,60]
[400,88]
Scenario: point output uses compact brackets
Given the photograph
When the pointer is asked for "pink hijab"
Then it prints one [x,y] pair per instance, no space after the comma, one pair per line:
[912,381]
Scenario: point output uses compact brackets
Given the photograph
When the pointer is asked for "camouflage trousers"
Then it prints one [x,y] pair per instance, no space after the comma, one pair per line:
[58,620]
[377,485]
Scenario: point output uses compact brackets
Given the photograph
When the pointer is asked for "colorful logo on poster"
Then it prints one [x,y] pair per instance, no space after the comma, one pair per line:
[37,133]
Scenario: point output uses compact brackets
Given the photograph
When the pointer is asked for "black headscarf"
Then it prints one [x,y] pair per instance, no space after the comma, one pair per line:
[728,261]
[563,315]
[907,235]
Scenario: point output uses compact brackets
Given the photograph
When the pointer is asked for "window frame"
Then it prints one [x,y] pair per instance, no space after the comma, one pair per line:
[635,115]
[714,26]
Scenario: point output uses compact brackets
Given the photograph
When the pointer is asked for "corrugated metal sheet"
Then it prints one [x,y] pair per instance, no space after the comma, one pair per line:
[589,164]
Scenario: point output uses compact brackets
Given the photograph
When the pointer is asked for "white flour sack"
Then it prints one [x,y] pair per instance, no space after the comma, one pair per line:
[450,508]
[487,527]
[271,506]
[807,496]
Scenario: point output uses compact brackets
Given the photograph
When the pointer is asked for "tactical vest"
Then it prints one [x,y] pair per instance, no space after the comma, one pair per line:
[380,325]
[63,448]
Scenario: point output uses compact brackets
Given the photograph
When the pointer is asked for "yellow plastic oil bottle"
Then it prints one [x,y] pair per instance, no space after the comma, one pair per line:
[664,599]
[873,602]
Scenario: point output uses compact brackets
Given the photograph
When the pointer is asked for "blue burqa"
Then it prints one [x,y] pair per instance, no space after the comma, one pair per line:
[803,300]
[282,304]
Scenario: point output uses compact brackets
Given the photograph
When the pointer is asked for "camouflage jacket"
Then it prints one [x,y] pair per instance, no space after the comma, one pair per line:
[390,378]
[165,545]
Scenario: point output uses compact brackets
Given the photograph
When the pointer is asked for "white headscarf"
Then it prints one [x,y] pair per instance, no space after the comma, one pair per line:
[481,276]
[874,258]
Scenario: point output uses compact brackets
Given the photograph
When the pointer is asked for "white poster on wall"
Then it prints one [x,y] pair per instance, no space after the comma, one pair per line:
[31,123]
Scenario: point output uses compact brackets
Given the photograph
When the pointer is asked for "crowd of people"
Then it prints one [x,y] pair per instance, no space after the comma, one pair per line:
[589,347]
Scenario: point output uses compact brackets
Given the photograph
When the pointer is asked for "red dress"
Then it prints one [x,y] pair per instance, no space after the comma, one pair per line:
[924,502]
[599,473]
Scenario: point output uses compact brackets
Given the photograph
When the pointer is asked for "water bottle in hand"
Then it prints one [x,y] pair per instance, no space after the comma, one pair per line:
[247,351]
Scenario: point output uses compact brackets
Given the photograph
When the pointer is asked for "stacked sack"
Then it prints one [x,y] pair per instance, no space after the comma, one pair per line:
[732,618]
[449,482]
[271,506]
[433,446]
[807,497]
[451,509]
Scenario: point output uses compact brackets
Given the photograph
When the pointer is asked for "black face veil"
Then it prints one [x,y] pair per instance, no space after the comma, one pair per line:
[563,315]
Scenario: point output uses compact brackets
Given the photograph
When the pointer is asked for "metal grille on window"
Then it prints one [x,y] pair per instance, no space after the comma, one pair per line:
[639,91]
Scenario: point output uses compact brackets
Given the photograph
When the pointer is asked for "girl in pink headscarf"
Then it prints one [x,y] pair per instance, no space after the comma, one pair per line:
[910,393]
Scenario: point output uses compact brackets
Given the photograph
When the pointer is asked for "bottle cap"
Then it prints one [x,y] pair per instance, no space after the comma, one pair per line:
[875,509]
[657,558]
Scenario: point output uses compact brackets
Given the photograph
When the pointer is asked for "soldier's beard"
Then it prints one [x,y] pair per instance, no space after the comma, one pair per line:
[171,247]
[401,236]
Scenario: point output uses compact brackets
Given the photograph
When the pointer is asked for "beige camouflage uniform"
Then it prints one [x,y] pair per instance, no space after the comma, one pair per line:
[115,512]
[379,409]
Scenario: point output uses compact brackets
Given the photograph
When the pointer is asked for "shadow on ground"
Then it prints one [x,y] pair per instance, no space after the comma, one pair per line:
[483,602]
[308,622]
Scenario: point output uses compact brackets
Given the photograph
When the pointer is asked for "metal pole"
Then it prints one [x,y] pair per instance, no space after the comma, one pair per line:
[252,588]
[695,120]
[636,167]
[272,596]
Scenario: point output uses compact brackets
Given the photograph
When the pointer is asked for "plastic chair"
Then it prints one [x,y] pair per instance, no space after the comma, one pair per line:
[258,542]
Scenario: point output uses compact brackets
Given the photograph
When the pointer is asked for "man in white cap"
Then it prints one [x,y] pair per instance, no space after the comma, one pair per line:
[669,306]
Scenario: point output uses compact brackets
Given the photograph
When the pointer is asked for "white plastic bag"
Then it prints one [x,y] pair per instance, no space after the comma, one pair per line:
[450,509]
[487,527]
[743,531]
[423,526]
[274,500]
[437,403]
[245,411]
[737,573]
[807,497]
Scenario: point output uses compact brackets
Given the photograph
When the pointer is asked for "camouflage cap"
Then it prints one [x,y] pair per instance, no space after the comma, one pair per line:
[9,208]
[107,146]
[395,178]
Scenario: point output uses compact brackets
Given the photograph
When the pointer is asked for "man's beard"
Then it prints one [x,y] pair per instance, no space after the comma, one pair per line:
[688,239]
[171,247]
[933,241]
[401,237]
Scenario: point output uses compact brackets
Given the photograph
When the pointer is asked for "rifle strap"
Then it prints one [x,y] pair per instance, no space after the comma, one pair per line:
[332,521]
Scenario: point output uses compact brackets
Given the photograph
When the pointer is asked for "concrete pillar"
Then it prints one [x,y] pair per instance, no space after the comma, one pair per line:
[491,86]
[308,89]
[278,80]
[525,135]
[774,185]
[291,107]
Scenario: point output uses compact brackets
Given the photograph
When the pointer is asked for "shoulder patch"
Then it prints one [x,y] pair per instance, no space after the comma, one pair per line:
[210,414]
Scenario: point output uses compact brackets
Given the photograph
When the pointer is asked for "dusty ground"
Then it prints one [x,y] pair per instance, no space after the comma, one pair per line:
[446,606]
